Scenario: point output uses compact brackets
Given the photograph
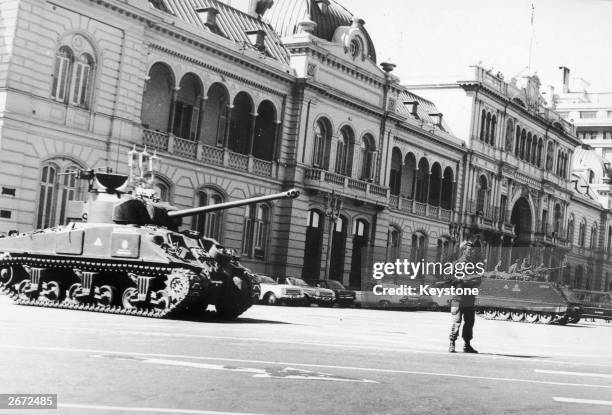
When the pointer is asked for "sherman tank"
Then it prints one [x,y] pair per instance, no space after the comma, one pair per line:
[127,256]
[528,301]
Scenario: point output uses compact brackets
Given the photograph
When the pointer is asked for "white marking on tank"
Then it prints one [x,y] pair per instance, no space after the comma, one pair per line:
[98,242]
[148,410]
[592,375]
[583,401]
[516,288]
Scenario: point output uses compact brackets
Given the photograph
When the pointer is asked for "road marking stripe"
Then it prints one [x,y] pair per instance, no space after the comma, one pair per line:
[267,362]
[593,375]
[585,401]
[149,410]
[400,347]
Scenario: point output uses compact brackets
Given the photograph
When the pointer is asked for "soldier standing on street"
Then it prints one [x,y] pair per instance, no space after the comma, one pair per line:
[463,306]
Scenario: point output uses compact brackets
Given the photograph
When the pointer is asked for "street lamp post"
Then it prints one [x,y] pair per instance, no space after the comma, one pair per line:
[333,204]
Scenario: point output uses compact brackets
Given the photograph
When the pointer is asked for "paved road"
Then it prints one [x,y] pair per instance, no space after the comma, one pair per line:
[290,360]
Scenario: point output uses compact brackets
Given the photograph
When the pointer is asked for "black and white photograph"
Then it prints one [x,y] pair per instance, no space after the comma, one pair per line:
[283,207]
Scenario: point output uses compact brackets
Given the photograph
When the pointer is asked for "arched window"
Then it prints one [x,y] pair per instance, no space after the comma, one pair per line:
[162,191]
[61,74]
[187,107]
[528,148]
[534,150]
[73,72]
[265,131]
[509,134]
[393,243]
[344,151]
[47,195]
[435,180]
[240,125]
[594,236]
[61,194]
[582,233]
[157,98]
[256,228]
[367,155]
[523,141]
[483,125]
[209,224]
[549,156]
[447,189]
[482,194]
[517,143]
[488,130]
[321,145]
[81,82]
[493,127]
[216,112]
[591,176]
[395,173]
[540,147]
[557,219]
[422,181]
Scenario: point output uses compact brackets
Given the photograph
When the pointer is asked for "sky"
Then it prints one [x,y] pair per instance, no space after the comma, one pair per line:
[439,39]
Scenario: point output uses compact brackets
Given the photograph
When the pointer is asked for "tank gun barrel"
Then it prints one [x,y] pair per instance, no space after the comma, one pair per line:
[289,194]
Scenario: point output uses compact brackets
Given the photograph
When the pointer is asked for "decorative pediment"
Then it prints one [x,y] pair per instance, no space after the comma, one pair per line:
[353,39]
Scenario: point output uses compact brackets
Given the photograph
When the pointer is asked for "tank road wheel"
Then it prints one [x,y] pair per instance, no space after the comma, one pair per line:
[128,298]
[545,318]
[25,291]
[517,315]
[490,313]
[161,300]
[52,291]
[503,315]
[531,316]
[7,276]
[106,296]
[73,291]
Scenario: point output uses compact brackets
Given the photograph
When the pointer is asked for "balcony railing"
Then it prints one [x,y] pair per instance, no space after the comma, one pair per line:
[185,148]
[409,205]
[238,161]
[360,189]
[205,153]
[155,139]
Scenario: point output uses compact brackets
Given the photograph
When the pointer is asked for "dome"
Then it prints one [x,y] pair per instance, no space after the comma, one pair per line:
[329,15]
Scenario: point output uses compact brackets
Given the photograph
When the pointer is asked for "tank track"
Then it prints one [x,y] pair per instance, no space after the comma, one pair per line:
[189,282]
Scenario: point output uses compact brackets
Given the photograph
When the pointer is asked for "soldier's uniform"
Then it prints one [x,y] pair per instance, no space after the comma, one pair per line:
[463,306]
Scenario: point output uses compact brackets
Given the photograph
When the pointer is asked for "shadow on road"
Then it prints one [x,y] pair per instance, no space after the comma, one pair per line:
[211,317]
[520,356]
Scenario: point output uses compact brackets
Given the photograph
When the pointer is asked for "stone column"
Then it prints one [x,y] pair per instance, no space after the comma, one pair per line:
[252,133]
[228,121]
[175,92]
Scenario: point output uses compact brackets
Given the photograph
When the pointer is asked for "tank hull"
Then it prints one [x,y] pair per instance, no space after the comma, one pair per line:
[136,270]
[527,301]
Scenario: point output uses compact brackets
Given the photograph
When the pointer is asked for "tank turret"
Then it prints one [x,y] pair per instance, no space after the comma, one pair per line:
[141,207]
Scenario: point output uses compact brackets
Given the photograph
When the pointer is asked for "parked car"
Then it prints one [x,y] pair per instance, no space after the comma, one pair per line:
[273,293]
[343,297]
[317,295]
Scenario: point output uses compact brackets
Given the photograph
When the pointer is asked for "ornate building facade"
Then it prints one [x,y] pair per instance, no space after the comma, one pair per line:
[246,98]
[239,99]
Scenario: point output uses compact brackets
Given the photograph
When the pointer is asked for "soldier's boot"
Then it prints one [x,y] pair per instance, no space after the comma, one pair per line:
[467,348]
[451,347]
